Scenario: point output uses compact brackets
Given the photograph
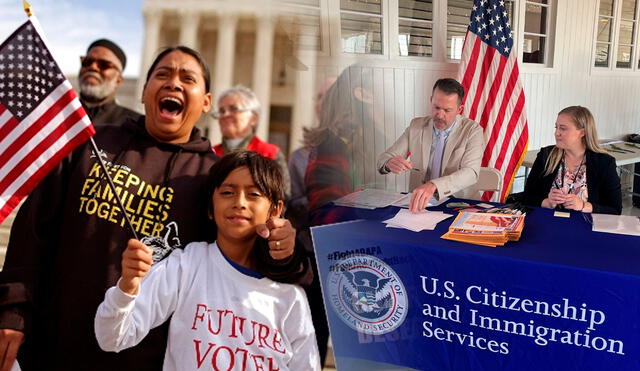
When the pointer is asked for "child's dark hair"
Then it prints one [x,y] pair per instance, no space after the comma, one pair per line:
[268,179]
[265,173]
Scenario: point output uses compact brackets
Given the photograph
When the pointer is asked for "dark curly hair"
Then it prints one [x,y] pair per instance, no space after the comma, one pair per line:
[268,179]
[265,173]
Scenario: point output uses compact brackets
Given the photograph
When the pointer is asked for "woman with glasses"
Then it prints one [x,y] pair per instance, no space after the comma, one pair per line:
[576,173]
[238,115]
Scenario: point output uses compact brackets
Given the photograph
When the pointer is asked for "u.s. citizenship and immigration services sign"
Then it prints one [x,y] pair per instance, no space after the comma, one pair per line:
[400,300]
[367,294]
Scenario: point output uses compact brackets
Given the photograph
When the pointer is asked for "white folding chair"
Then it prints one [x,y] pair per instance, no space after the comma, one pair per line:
[489,179]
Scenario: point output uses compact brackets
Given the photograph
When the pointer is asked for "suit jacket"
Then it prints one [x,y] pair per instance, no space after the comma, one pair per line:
[460,162]
[603,183]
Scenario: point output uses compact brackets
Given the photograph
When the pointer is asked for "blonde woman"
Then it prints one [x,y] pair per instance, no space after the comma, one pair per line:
[576,173]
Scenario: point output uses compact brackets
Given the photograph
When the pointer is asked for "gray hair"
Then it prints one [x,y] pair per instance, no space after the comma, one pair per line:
[249,98]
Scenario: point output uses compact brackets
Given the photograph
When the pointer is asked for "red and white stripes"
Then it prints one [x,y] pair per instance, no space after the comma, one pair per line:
[495,99]
[31,147]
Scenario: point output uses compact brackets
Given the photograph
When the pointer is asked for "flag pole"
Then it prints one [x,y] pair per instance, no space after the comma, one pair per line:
[27,9]
[113,187]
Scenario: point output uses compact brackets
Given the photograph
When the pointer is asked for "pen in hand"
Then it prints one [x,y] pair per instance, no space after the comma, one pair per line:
[407,158]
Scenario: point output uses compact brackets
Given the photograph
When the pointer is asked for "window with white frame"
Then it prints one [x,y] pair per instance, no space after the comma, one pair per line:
[604,33]
[626,30]
[415,27]
[361,26]
[616,34]
[421,26]
[417,22]
[458,14]
[303,19]
[535,39]
[537,19]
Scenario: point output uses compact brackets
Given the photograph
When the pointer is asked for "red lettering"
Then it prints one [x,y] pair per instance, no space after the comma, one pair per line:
[253,339]
[272,366]
[244,357]
[240,326]
[199,316]
[214,359]
[224,359]
[277,342]
[199,359]
[255,361]
[263,333]
[220,312]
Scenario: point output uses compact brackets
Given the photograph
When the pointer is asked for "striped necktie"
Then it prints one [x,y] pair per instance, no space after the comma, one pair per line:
[436,162]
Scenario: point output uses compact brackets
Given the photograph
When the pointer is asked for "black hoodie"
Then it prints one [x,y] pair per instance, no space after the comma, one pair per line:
[66,243]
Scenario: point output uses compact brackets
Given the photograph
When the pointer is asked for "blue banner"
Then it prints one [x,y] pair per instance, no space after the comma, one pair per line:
[414,301]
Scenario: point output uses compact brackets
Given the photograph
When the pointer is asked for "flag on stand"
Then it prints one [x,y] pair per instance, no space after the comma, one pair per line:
[41,118]
[494,96]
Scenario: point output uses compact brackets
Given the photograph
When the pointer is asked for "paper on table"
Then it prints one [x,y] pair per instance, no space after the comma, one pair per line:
[620,224]
[369,198]
[424,220]
[404,201]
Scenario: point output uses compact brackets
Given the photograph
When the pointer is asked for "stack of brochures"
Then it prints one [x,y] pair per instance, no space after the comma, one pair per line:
[487,229]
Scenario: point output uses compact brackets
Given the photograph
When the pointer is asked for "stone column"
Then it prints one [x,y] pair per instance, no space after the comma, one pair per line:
[189,23]
[303,113]
[152,20]
[225,55]
[262,68]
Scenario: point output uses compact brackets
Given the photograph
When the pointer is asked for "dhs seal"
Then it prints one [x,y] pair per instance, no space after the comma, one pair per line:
[367,294]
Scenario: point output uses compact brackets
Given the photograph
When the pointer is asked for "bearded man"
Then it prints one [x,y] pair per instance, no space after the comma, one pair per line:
[99,77]
[443,151]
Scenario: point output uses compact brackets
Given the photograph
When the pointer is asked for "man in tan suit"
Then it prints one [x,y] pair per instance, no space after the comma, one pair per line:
[443,151]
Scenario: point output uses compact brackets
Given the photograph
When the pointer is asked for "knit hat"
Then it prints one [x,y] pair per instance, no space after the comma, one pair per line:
[111,46]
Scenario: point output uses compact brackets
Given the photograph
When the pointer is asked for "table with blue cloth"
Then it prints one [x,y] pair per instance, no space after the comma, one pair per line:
[560,298]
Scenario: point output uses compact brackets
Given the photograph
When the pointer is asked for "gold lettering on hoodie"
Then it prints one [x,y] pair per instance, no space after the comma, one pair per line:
[148,205]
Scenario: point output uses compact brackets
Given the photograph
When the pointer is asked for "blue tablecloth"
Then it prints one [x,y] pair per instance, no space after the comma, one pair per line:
[561,298]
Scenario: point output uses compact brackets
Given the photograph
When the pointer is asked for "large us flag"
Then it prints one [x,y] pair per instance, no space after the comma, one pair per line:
[41,119]
[494,96]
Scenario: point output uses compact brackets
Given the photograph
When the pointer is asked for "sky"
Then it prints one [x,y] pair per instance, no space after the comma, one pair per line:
[71,25]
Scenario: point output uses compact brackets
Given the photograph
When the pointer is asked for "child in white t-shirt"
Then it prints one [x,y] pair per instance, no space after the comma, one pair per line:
[224,314]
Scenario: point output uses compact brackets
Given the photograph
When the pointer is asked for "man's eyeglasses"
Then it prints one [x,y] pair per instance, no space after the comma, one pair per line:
[103,64]
[232,110]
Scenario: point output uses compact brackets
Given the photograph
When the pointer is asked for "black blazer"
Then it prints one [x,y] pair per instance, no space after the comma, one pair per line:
[603,183]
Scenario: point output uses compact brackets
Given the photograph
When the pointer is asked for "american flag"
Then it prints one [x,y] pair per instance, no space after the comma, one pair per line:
[41,118]
[494,96]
